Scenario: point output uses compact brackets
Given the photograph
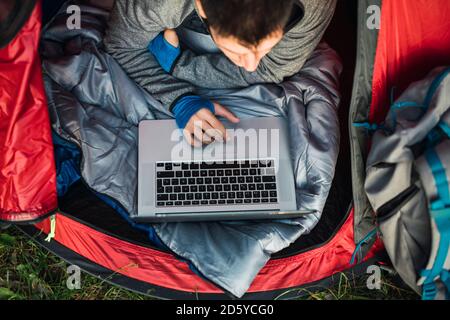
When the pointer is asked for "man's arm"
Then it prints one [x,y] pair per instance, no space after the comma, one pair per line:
[286,59]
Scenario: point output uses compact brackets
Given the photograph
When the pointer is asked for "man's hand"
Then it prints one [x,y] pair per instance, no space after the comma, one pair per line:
[171,37]
[204,127]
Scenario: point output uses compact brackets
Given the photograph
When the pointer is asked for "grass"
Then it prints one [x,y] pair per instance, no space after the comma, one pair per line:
[29,272]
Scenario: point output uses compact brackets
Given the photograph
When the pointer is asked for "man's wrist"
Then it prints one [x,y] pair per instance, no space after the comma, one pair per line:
[188,106]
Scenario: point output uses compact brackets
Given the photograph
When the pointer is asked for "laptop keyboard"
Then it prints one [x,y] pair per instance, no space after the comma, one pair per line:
[245,182]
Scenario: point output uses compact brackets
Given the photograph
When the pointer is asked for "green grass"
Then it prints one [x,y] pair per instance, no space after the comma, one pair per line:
[29,272]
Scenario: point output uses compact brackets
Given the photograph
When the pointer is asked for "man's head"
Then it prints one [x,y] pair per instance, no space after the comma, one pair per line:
[246,30]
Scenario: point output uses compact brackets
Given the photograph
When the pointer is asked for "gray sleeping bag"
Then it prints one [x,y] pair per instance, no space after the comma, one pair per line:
[96,106]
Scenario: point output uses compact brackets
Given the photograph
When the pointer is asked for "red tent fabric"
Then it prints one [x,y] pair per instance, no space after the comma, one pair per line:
[27,167]
[414,38]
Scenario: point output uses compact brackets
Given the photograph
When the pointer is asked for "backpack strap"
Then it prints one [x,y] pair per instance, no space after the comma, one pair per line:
[435,179]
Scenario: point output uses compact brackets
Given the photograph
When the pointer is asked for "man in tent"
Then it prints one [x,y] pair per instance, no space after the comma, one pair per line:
[261,41]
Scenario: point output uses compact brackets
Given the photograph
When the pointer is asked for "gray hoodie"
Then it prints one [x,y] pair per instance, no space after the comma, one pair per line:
[134,23]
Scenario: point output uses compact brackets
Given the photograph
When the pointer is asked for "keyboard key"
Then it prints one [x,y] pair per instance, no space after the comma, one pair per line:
[166,182]
[178,174]
[212,173]
[228,173]
[264,200]
[181,196]
[159,182]
[257,179]
[268,179]
[221,201]
[230,201]
[162,197]
[256,200]
[160,164]
[160,204]
[203,173]
[256,194]
[190,196]
[206,196]
[169,203]
[219,187]
[186,203]
[265,194]
[220,173]
[173,197]
[178,203]
[198,196]
[244,187]
[184,166]
[216,180]
[224,180]
[273,194]
[247,200]
[249,179]
[248,194]
[227,187]
[252,186]
[200,181]
[195,173]
[239,201]
[183,181]
[223,195]
[160,190]
[194,189]
[175,182]
[208,180]
[273,200]
[233,180]
[241,180]
[169,189]
[235,187]
[191,181]
[185,189]
[260,186]
[210,188]
[244,172]
[212,202]
[215,195]
[187,174]
[202,188]
[195,203]
[177,189]
[194,166]
[253,172]
[231,195]
[270,186]
[165,174]
[240,195]
[204,202]
[168,166]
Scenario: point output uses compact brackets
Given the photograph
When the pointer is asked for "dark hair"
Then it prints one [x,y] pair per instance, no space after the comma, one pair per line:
[250,21]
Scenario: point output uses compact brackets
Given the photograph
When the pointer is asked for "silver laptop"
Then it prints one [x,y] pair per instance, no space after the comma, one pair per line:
[249,177]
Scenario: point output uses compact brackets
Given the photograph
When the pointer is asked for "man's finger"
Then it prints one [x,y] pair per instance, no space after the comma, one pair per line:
[203,129]
[224,112]
[215,123]
[188,135]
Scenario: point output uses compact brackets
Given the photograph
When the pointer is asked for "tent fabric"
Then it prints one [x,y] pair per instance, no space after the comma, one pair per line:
[414,38]
[359,113]
[165,270]
[27,166]
[95,105]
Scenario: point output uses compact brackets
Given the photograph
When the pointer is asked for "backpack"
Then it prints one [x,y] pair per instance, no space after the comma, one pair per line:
[407,183]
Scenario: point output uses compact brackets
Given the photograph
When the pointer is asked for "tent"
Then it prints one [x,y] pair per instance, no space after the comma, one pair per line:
[379,60]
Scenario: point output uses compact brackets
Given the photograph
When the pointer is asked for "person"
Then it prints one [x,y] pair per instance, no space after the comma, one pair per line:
[260,41]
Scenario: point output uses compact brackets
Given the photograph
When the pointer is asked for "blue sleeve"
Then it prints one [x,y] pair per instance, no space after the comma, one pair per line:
[164,52]
[187,106]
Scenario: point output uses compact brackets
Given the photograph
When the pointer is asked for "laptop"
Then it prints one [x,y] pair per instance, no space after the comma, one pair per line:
[248,177]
